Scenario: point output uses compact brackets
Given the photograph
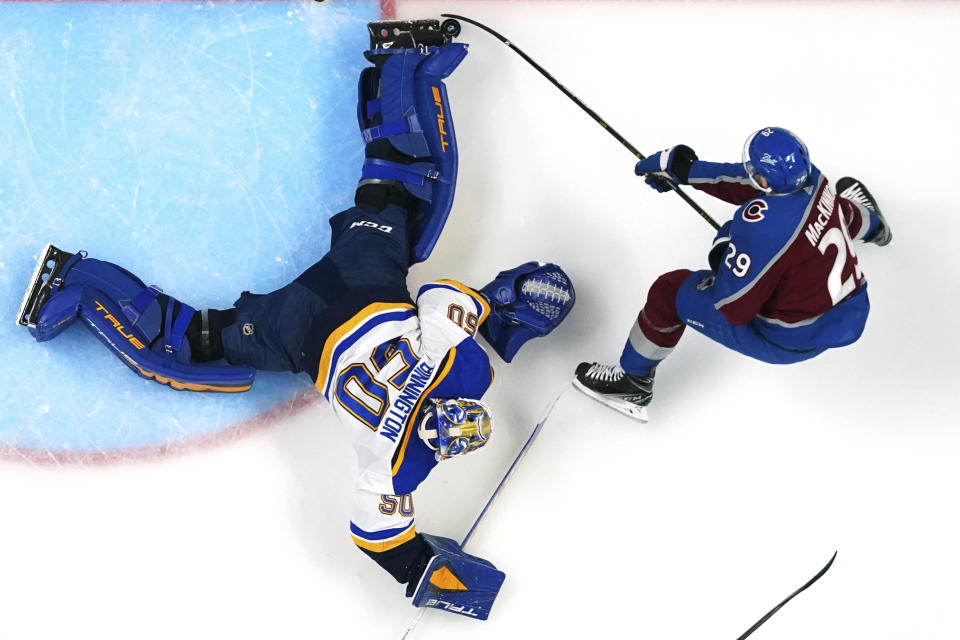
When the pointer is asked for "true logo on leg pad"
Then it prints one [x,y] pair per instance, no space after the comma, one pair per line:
[132,339]
[438,102]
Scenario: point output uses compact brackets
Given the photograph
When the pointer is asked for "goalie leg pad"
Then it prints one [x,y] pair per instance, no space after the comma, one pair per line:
[57,314]
[127,317]
[526,302]
[404,101]
[48,276]
[456,581]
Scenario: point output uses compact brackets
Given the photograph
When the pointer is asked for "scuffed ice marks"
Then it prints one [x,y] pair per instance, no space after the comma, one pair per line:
[203,147]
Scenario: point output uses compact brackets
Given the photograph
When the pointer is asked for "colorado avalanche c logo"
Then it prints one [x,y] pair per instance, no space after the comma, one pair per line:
[753,211]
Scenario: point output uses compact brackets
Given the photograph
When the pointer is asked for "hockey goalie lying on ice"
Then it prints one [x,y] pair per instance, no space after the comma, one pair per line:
[405,378]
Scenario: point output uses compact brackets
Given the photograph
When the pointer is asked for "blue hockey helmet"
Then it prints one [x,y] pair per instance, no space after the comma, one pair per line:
[780,157]
[454,426]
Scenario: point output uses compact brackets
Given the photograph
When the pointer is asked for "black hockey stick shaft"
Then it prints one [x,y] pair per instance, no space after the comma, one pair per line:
[789,598]
[593,114]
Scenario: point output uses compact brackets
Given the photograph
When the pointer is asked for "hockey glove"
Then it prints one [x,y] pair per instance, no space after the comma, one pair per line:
[673,164]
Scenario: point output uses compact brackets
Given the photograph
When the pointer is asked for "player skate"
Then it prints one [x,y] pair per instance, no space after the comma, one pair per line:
[616,388]
[408,34]
[855,191]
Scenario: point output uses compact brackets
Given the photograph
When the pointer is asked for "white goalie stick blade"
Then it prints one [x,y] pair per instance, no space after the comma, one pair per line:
[32,288]
[628,409]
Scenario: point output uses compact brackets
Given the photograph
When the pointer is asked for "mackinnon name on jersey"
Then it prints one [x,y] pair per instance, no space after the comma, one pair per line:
[824,211]
[406,401]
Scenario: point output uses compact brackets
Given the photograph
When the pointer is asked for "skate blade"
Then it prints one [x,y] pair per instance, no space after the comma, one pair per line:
[622,406]
[34,287]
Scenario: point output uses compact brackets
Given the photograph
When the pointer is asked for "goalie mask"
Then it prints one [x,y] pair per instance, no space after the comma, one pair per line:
[455,426]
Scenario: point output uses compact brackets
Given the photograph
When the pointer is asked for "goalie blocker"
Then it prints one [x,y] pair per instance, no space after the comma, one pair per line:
[457,582]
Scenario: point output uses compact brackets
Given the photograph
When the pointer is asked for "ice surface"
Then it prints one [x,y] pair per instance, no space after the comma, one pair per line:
[747,477]
[202,146]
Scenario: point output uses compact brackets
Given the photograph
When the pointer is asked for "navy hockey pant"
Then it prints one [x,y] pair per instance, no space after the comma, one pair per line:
[367,262]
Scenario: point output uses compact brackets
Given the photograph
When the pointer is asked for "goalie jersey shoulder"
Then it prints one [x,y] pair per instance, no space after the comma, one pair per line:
[449,312]
[387,361]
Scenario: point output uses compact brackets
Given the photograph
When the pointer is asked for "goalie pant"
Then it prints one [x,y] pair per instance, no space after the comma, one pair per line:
[785,285]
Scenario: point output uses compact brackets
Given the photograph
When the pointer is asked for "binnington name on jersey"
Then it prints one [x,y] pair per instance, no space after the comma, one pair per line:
[396,418]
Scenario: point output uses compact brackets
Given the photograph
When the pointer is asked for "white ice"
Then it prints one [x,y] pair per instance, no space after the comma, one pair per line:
[747,477]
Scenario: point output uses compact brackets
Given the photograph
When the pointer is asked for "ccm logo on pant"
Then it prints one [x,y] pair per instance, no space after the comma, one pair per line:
[373,225]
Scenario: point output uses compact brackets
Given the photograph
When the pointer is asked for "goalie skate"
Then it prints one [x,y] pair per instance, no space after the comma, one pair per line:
[46,273]
[617,389]
[411,34]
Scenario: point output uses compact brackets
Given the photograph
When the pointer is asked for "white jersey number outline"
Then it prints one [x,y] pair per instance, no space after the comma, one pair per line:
[742,261]
[839,238]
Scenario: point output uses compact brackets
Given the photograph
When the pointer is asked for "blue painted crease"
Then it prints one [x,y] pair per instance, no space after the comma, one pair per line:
[201,146]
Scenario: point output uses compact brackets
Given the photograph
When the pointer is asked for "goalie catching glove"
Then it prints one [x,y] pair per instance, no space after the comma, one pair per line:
[526,302]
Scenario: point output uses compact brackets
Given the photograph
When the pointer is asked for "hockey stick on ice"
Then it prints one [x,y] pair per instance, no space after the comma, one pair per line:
[789,598]
[593,114]
[496,492]
[516,461]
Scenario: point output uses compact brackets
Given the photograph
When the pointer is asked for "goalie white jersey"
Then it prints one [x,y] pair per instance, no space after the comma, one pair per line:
[377,370]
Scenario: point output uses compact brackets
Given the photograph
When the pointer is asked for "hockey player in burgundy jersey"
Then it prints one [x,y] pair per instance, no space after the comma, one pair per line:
[405,378]
[784,283]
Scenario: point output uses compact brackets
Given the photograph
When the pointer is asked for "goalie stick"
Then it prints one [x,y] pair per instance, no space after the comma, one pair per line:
[496,492]
[593,114]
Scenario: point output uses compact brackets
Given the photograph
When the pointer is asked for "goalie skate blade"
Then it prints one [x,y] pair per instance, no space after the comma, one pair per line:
[628,409]
[33,289]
